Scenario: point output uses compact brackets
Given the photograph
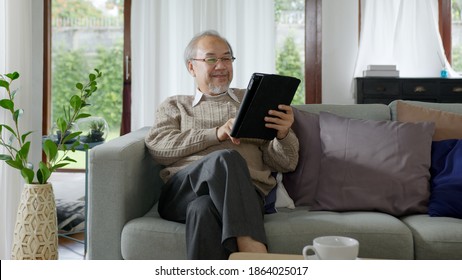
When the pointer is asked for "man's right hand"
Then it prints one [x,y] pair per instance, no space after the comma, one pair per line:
[224,131]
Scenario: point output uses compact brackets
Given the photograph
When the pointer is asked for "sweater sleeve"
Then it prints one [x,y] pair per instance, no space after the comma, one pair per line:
[282,155]
[168,143]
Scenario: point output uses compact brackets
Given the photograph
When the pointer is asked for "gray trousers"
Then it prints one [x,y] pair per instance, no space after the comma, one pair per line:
[217,200]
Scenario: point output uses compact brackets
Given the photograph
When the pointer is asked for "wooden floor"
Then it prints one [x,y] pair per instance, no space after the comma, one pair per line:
[71,250]
[69,186]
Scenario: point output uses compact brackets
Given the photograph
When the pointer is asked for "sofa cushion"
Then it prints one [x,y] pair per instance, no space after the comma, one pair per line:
[436,237]
[446,179]
[151,237]
[447,125]
[301,184]
[380,235]
[374,165]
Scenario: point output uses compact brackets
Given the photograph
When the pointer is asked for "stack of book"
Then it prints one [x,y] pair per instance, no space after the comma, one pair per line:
[381,70]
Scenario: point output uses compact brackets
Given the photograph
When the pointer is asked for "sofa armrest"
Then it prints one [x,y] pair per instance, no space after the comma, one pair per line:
[123,184]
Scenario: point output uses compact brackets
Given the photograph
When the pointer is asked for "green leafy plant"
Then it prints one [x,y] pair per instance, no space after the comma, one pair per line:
[96,132]
[98,125]
[17,144]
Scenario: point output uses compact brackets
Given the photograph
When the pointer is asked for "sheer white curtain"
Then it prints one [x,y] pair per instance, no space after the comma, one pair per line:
[161,30]
[21,29]
[404,33]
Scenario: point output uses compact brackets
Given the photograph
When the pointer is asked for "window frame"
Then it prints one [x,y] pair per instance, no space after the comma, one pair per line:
[445,26]
[313,51]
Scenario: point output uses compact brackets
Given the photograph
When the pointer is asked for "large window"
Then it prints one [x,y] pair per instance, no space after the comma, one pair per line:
[87,34]
[84,34]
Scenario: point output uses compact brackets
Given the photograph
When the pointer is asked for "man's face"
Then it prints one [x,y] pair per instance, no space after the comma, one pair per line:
[212,78]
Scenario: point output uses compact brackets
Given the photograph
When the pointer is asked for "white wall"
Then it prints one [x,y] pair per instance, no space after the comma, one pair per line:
[339,50]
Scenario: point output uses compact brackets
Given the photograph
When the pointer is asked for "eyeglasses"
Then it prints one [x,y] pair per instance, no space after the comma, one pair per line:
[214,60]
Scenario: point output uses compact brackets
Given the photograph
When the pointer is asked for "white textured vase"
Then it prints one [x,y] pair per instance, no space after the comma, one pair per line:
[36,229]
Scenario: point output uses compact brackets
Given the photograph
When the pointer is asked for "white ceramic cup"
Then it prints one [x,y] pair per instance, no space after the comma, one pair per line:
[332,248]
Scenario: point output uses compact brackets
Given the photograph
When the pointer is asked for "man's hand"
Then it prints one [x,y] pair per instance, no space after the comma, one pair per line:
[281,121]
[224,131]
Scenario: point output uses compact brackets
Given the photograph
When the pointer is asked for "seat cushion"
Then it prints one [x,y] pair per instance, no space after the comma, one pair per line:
[380,235]
[153,238]
[436,238]
[288,231]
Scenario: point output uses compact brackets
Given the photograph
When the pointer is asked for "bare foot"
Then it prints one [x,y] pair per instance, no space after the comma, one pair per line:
[248,244]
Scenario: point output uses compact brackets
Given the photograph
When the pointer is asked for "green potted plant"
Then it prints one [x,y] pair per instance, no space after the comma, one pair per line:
[97,130]
[35,222]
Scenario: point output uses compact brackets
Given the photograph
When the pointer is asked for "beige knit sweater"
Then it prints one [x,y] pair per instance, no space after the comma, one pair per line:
[183,134]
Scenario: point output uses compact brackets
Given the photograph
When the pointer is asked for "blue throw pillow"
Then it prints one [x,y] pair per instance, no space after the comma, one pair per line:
[270,202]
[446,179]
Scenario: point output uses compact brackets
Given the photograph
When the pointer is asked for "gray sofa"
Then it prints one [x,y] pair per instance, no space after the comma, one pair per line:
[123,222]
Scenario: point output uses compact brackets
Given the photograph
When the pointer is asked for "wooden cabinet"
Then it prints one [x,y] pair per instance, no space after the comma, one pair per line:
[384,90]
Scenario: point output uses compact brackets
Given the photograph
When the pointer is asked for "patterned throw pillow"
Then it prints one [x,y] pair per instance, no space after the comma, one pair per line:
[71,216]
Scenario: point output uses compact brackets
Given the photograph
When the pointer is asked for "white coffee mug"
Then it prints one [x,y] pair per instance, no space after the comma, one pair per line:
[332,248]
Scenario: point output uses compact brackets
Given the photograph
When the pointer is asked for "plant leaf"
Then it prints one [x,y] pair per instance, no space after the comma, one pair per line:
[24,151]
[13,94]
[83,115]
[7,104]
[50,149]
[24,136]
[15,163]
[9,128]
[79,86]
[69,159]
[13,76]
[71,136]
[28,175]
[59,165]
[5,157]
[62,124]
[4,84]
[17,114]
[43,173]
[76,102]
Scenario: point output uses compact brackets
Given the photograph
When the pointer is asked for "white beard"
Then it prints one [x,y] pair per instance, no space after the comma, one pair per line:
[218,89]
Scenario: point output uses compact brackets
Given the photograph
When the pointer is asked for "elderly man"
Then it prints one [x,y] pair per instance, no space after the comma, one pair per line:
[215,183]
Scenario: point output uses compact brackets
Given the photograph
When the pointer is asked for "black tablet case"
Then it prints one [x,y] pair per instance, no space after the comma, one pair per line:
[264,92]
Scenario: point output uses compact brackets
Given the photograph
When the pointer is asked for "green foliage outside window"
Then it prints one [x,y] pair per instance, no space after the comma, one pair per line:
[288,57]
[457,58]
[72,65]
[288,63]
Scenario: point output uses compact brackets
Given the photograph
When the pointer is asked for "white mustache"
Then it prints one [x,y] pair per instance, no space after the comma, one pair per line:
[219,73]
